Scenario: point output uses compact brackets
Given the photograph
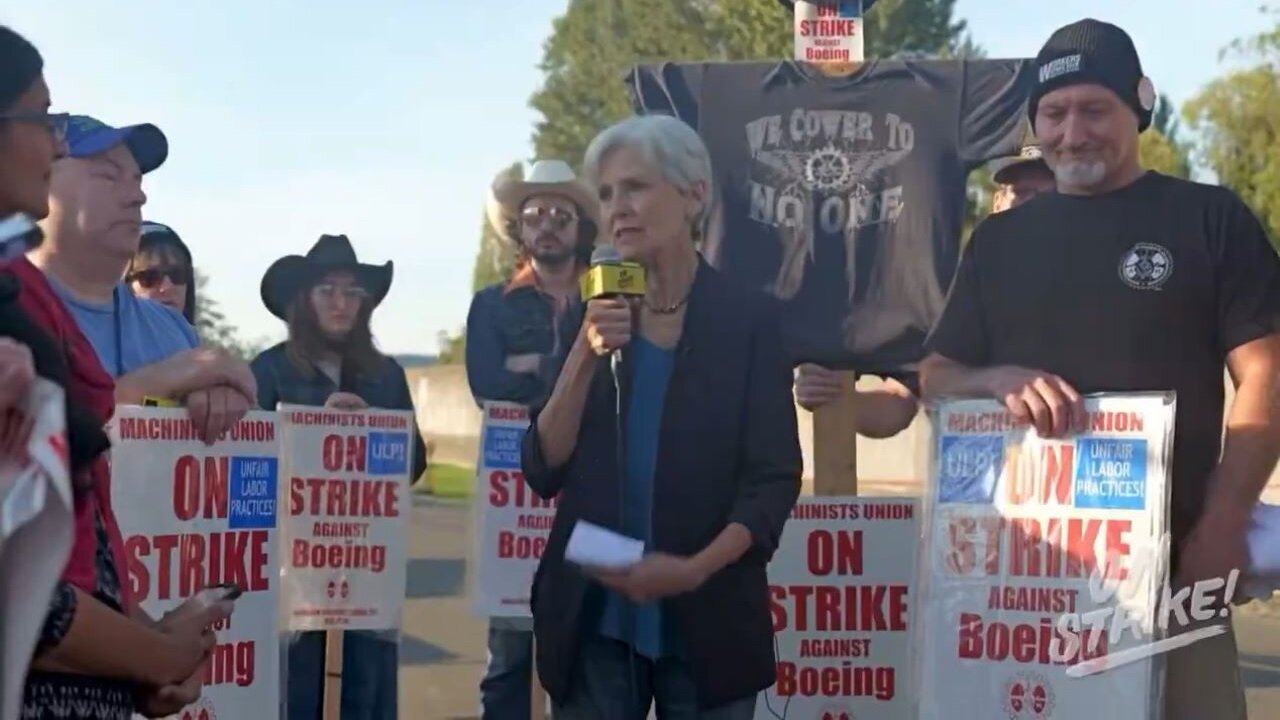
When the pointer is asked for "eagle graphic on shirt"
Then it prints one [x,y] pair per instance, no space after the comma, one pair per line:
[823,173]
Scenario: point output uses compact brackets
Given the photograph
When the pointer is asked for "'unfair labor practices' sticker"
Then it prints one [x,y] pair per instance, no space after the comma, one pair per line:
[251,493]
[1111,474]
[502,447]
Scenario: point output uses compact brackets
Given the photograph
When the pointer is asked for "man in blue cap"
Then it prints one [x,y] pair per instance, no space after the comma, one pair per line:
[91,233]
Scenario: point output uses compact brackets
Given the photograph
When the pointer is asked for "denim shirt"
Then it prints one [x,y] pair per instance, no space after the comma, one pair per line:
[517,318]
[279,381]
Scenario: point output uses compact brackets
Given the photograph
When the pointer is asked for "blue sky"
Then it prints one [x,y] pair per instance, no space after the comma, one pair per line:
[386,119]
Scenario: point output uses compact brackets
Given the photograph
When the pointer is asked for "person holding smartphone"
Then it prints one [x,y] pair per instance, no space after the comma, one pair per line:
[97,654]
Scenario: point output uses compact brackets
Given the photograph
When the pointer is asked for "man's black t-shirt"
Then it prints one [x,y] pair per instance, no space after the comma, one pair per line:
[1144,288]
[844,196]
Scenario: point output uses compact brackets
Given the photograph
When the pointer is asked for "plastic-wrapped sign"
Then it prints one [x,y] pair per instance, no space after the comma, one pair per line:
[193,516]
[1044,563]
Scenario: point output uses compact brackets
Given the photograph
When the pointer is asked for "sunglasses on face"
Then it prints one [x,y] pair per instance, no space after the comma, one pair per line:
[329,291]
[152,278]
[559,217]
[57,122]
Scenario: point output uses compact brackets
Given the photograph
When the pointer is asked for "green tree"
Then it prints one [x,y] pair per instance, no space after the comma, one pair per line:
[1237,118]
[590,48]
[596,41]
[1160,147]
[213,328]
[497,255]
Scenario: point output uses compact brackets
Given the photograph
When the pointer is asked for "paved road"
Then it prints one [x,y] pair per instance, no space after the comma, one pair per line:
[442,650]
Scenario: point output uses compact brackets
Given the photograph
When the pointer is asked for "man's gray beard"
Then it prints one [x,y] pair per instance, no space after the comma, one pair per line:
[1080,173]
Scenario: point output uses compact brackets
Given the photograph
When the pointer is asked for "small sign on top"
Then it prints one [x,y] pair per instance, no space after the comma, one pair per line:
[829,31]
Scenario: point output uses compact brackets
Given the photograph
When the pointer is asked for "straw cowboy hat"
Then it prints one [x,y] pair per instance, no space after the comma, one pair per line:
[293,273]
[546,177]
[502,222]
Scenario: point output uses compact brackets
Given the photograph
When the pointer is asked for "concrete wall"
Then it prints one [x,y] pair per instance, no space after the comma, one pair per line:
[447,415]
[450,420]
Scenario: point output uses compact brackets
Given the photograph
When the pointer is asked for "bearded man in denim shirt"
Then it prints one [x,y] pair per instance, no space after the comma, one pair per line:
[516,341]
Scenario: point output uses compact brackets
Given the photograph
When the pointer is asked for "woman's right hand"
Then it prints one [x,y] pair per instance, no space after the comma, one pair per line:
[189,639]
[17,372]
[607,324]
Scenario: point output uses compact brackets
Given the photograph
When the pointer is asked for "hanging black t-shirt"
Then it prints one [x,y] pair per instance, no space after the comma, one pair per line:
[1146,288]
[844,196]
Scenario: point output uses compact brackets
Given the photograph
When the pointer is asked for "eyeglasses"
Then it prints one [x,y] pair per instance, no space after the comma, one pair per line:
[152,278]
[329,292]
[534,216]
[57,122]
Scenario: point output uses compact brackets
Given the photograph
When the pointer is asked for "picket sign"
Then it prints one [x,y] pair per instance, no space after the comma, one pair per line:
[345,532]
[1017,528]
[36,509]
[511,525]
[193,516]
[841,601]
[347,497]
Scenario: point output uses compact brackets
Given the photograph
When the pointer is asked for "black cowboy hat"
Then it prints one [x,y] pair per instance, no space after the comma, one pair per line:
[292,274]
[791,5]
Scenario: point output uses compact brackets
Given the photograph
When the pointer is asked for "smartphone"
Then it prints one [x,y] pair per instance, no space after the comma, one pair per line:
[230,591]
[218,593]
[203,600]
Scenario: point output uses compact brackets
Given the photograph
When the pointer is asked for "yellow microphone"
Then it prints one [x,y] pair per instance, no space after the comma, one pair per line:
[610,276]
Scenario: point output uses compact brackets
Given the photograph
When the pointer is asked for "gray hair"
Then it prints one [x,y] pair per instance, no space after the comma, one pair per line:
[667,142]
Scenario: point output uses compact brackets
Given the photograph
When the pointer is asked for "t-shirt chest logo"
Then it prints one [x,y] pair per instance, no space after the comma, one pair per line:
[1146,266]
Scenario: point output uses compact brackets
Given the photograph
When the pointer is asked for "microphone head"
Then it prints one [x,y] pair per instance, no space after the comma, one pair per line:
[605,255]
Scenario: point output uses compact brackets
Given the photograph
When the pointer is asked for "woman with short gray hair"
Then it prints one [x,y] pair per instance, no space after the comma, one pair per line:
[691,448]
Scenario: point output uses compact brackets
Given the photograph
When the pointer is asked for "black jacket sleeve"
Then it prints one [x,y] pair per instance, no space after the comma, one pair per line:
[770,461]
[544,479]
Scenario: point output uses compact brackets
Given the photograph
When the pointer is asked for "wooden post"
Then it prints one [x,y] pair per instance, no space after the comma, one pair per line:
[835,443]
[538,698]
[835,425]
[332,675]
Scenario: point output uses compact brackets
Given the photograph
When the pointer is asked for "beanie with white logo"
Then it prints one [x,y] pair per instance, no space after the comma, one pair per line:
[1094,52]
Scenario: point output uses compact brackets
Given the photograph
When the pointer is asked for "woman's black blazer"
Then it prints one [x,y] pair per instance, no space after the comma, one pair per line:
[728,451]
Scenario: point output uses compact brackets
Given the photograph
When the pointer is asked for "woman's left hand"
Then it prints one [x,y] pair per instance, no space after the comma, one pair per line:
[657,576]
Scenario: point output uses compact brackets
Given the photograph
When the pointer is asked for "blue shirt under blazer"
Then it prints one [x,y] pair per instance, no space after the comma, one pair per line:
[728,451]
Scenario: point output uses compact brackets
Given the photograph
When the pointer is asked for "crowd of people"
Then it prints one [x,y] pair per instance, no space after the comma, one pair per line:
[1067,289]
[104,305]
[688,443]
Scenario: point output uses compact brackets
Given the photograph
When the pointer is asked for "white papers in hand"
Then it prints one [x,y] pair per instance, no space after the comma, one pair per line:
[593,546]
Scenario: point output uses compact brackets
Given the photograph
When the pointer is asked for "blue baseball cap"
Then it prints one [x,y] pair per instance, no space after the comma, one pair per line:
[87,137]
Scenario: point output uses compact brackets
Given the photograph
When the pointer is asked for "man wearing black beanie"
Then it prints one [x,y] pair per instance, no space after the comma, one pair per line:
[1126,280]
